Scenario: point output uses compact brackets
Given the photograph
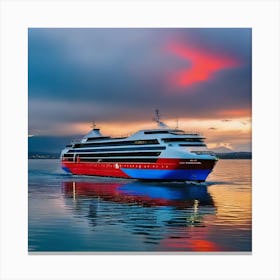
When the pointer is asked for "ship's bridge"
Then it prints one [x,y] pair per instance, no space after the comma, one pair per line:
[94,135]
[163,133]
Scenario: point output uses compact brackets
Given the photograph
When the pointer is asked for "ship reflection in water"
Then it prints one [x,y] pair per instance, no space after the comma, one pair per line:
[146,194]
[175,209]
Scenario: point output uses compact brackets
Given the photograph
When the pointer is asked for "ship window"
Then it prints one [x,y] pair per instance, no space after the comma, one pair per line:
[141,154]
[156,132]
[120,160]
[97,138]
[191,145]
[178,132]
[68,155]
[182,132]
[118,143]
[167,140]
[140,142]
[119,149]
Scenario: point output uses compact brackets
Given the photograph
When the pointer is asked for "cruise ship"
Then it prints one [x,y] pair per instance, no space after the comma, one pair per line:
[161,154]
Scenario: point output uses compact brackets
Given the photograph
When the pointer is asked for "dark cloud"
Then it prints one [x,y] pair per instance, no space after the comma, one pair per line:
[122,74]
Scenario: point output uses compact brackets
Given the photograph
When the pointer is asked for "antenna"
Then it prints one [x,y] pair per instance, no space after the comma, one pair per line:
[177,123]
[158,121]
[93,125]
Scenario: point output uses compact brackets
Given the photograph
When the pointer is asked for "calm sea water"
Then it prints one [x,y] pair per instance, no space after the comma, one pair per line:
[90,214]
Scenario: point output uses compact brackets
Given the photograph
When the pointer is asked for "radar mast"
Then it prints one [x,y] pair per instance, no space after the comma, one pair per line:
[93,125]
[158,120]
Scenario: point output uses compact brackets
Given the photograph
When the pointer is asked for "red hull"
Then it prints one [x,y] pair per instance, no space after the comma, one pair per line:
[115,169]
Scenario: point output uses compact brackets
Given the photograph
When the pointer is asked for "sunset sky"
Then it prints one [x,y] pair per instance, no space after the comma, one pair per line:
[118,77]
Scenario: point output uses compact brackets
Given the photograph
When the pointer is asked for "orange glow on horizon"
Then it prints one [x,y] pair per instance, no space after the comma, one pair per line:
[205,126]
[229,133]
[212,126]
[203,64]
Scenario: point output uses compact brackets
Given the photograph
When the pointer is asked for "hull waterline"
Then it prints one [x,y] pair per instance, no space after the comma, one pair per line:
[163,170]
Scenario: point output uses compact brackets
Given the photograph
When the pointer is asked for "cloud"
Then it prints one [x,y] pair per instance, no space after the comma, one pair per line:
[202,64]
[123,74]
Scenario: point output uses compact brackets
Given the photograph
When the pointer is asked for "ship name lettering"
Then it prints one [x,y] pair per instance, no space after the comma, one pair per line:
[188,162]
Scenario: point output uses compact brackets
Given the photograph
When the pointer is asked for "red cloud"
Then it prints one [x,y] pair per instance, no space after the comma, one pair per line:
[203,64]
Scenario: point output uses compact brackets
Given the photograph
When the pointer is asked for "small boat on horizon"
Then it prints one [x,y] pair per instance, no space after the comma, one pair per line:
[161,154]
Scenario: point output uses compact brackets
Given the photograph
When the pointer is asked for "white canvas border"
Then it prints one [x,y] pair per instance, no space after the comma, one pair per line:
[261,16]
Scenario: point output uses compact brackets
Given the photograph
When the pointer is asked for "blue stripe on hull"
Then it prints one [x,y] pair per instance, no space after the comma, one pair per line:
[66,169]
[159,174]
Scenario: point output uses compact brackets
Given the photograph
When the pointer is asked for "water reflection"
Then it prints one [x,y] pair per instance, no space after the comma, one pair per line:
[179,195]
[158,213]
